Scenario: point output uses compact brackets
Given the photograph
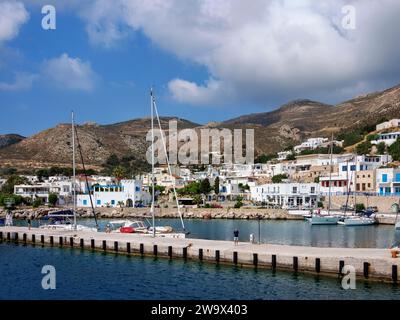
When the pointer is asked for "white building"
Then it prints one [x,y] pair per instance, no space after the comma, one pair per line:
[310,144]
[232,187]
[394,123]
[287,195]
[346,179]
[283,155]
[62,189]
[387,138]
[128,193]
[388,181]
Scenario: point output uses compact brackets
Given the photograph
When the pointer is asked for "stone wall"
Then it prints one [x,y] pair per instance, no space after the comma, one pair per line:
[383,203]
[195,213]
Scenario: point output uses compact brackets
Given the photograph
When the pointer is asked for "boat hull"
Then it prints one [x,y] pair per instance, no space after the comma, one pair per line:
[323,220]
[358,222]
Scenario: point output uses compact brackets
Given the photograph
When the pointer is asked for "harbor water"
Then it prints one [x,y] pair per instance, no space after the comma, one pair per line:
[82,274]
[289,232]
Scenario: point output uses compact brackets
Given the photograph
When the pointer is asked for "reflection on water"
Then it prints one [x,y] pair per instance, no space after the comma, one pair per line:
[92,275]
[283,232]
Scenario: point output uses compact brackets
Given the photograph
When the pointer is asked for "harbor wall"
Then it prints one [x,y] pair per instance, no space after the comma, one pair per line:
[384,204]
[189,213]
[373,264]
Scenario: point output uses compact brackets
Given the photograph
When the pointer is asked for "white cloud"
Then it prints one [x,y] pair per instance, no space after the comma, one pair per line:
[23,81]
[69,73]
[13,16]
[259,50]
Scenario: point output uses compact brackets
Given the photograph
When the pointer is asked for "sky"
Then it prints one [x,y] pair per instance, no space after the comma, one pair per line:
[208,60]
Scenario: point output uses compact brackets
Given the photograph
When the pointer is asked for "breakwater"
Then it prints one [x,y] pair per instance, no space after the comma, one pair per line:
[375,264]
[189,213]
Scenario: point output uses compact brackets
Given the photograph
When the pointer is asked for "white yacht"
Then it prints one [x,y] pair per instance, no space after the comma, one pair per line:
[357,221]
[130,226]
[319,218]
[66,220]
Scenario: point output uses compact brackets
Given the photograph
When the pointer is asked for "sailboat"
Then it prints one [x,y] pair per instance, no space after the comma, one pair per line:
[354,221]
[66,220]
[129,226]
[327,219]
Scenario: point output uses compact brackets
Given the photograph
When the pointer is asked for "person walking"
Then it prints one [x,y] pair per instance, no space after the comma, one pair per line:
[236,237]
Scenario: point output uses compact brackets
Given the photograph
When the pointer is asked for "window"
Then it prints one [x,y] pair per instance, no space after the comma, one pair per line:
[85,202]
[384,177]
[344,168]
[397,177]
[98,202]
[361,167]
[353,168]
[112,202]
[388,190]
[369,185]
[294,189]
[312,189]
[137,189]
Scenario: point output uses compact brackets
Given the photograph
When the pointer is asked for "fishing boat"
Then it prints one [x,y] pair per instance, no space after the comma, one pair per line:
[317,218]
[66,220]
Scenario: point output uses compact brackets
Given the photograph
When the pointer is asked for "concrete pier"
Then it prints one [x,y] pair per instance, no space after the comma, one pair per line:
[374,264]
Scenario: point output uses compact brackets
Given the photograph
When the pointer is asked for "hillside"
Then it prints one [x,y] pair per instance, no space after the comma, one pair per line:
[274,130]
[9,139]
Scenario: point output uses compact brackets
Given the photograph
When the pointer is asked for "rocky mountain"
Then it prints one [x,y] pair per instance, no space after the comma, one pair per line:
[285,126]
[9,139]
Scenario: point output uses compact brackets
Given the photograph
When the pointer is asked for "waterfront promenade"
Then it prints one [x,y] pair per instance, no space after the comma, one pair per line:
[374,264]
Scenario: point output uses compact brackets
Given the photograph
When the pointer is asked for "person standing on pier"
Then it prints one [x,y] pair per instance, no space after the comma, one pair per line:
[236,237]
[29,222]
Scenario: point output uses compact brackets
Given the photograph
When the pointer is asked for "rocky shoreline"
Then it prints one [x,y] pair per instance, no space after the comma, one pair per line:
[188,213]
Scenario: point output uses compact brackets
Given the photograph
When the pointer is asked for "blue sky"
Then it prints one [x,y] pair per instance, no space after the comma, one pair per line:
[208,60]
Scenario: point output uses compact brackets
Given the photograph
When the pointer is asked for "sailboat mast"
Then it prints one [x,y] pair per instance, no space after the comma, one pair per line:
[330,176]
[152,163]
[73,169]
[168,164]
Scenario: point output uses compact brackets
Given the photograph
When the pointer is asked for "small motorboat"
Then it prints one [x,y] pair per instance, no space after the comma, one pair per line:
[63,221]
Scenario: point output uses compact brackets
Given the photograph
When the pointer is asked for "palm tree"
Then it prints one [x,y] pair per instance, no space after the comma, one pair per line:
[119,173]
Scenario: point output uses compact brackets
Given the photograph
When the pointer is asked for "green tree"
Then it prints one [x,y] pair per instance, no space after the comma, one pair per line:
[239,203]
[205,186]
[264,158]
[278,178]
[197,199]
[37,203]
[12,181]
[53,198]
[216,185]
[291,157]
[119,173]
[363,147]
[381,147]
[394,150]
